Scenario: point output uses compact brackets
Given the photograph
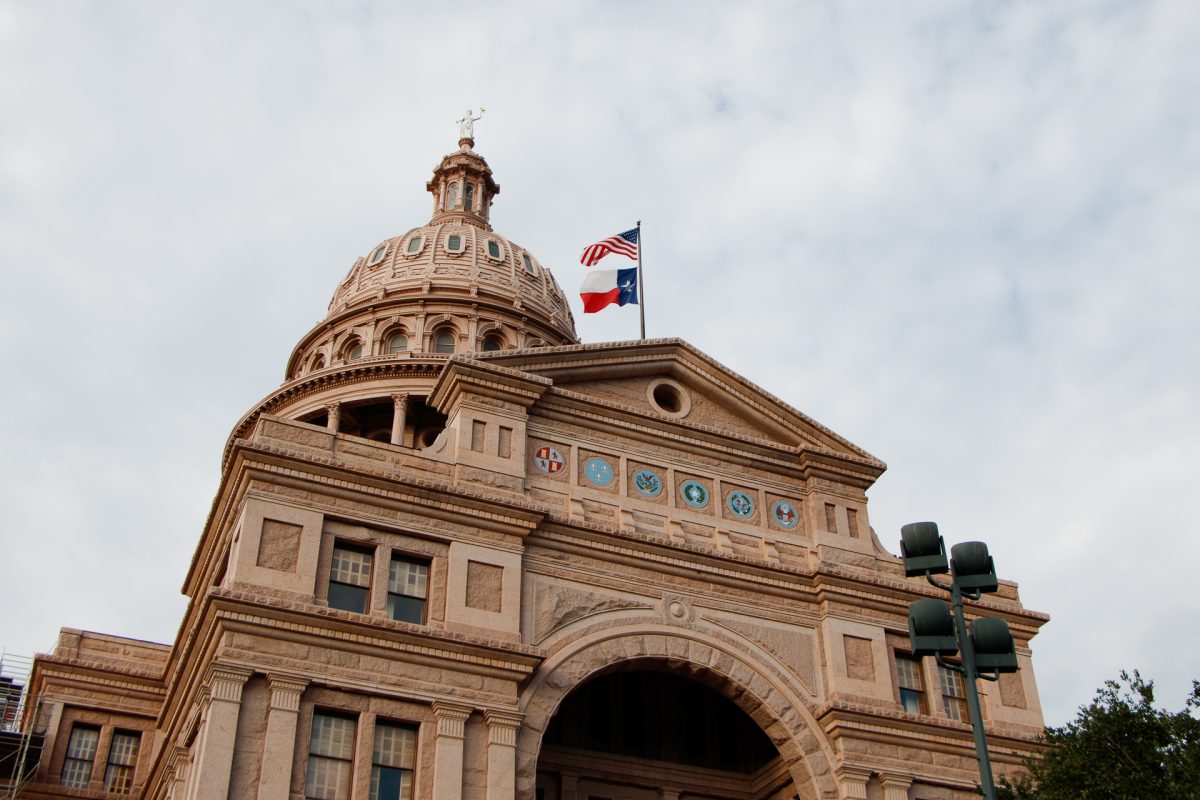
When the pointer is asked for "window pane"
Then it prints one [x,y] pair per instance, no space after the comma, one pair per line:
[397,343]
[347,598]
[83,742]
[414,244]
[408,577]
[395,745]
[76,773]
[491,345]
[332,736]
[406,609]
[328,779]
[493,249]
[124,749]
[444,343]
[906,671]
[118,779]
[911,701]
[390,784]
[351,566]
[454,242]
[528,264]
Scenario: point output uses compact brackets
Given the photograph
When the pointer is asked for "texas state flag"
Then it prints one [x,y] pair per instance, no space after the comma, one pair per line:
[606,286]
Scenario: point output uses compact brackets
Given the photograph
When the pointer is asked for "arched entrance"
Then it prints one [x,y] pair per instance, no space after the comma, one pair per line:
[637,733]
[571,747]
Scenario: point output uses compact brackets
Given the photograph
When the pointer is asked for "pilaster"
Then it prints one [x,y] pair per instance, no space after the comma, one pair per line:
[502,754]
[448,750]
[852,782]
[279,745]
[214,748]
[895,787]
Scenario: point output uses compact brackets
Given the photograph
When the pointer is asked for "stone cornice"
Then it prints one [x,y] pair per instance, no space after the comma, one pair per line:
[465,375]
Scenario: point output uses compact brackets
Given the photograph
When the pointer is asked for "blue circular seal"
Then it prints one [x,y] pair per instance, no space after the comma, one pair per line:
[785,514]
[598,471]
[647,482]
[694,494]
[740,504]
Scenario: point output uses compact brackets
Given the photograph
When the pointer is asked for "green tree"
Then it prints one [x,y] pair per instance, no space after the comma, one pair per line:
[1120,747]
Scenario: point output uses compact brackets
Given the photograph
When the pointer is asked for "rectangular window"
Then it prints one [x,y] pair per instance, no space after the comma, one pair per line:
[408,583]
[350,579]
[392,761]
[330,758]
[908,676]
[954,696]
[122,758]
[81,752]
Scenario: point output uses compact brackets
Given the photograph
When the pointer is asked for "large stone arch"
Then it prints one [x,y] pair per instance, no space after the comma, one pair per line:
[765,695]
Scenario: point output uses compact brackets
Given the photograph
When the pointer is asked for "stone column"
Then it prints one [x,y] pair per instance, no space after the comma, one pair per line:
[448,750]
[399,416]
[279,742]
[895,787]
[335,416]
[852,782]
[502,754]
[177,773]
[215,744]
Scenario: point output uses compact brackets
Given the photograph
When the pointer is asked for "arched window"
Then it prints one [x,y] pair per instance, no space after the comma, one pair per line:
[397,342]
[528,264]
[444,341]
[353,350]
[468,193]
[414,244]
[492,343]
[377,255]
[452,196]
[318,362]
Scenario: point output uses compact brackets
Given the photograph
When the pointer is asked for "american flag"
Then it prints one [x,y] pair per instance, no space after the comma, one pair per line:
[625,244]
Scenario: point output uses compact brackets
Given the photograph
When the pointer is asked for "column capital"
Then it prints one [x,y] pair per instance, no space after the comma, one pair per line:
[224,682]
[400,398]
[503,727]
[895,787]
[451,719]
[853,782]
[286,691]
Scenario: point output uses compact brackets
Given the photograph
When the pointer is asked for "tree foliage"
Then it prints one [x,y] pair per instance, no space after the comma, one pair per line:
[1120,747]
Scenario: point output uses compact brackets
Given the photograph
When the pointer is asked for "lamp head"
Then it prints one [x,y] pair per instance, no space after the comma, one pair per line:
[931,628]
[923,550]
[972,567]
[993,644]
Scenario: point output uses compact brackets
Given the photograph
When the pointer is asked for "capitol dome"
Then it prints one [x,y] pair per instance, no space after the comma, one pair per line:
[451,286]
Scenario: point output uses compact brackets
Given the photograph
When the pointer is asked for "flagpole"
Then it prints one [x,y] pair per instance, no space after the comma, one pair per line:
[641,290]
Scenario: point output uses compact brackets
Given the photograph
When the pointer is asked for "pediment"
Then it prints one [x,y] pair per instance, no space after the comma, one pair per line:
[669,381]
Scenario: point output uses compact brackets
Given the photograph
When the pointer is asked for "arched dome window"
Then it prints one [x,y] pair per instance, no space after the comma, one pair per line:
[454,243]
[444,341]
[527,262]
[318,362]
[352,350]
[468,195]
[414,245]
[493,249]
[377,255]
[396,342]
[452,196]
[492,342]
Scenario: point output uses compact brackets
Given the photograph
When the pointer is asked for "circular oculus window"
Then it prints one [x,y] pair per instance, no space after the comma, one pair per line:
[669,397]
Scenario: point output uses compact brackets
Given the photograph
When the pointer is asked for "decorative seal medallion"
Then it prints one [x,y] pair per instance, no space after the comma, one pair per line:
[598,471]
[548,460]
[647,482]
[785,514]
[694,494]
[740,504]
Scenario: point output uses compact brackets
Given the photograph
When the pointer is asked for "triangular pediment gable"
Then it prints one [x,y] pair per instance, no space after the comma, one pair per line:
[629,377]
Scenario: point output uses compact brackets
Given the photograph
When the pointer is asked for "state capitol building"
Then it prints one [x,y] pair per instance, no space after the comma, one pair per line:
[460,555]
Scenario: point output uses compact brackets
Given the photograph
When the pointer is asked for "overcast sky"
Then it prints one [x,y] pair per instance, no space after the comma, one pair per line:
[963,235]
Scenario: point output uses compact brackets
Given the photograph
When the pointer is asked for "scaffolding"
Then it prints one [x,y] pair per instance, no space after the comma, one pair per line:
[20,746]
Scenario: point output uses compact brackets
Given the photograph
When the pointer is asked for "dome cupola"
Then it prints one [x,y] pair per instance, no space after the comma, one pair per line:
[448,287]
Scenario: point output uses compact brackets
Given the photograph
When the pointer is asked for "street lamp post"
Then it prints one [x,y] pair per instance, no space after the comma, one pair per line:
[936,630]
